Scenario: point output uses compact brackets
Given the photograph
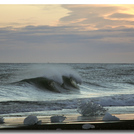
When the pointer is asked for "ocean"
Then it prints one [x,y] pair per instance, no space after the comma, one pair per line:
[57,88]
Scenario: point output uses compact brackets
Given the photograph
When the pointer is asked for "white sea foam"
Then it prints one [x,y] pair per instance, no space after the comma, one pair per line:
[118,101]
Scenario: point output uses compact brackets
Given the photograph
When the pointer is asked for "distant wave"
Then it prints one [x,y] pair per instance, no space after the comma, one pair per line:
[130,82]
[94,84]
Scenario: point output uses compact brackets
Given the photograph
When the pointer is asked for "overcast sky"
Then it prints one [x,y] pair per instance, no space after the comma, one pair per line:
[67,33]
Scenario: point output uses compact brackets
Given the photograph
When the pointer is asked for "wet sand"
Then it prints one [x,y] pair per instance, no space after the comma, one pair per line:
[72,122]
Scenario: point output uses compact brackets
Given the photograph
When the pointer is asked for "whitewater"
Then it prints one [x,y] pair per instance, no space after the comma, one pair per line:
[52,88]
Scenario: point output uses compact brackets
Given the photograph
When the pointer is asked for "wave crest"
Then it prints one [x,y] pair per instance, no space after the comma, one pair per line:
[51,85]
[56,79]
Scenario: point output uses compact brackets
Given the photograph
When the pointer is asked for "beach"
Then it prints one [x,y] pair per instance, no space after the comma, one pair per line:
[70,90]
[71,122]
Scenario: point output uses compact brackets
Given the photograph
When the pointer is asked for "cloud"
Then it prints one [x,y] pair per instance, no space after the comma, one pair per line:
[121,16]
[88,34]
[98,16]
[23,15]
[61,34]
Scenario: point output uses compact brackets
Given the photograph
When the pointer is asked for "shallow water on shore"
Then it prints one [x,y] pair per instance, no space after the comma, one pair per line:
[13,122]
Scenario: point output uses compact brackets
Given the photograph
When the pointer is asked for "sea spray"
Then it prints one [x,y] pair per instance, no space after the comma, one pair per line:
[50,71]
[57,72]
[54,78]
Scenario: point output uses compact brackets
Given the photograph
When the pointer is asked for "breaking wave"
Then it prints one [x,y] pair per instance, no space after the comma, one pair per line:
[51,85]
[55,79]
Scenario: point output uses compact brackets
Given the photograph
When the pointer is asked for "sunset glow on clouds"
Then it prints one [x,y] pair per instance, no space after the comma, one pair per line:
[67,33]
[100,16]
[36,15]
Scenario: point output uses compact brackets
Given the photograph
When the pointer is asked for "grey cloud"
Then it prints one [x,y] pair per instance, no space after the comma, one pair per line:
[88,11]
[51,35]
[59,43]
[121,15]
[54,35]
